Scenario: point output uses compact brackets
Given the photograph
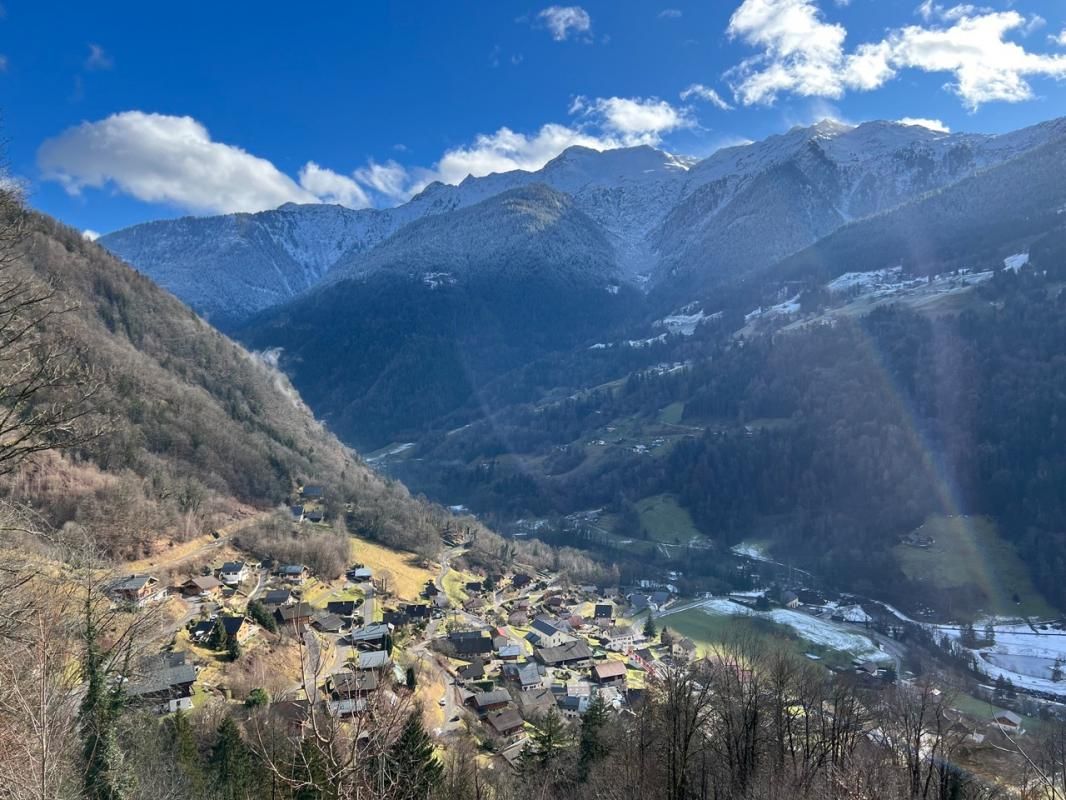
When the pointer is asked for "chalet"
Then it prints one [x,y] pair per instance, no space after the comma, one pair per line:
[789,599]
[1007,720]
[293,573]
[527,675]
[505,723]
[396,619]
[470,643]
[417,611]
[328,623]
[483,702]
[341,685]
[377,659]
[138,591]
[202,630]
[521,580]
[620,638]
[166,684]
[201,586]
[342,608]
[474,671]
[548,633]
[603,611]
[509,652]
[347,707]
[473,586]
[575,621]
[313,492]
[609,673]
[297,513]
[518,618]
[536,701]
[430,591]
[684,649]
[233,573]
[639,603]
[294,617]
[361,575]
[315,515]
[474,604]
[660,599]
[371,637]
[572,707]
[278,597]
[570,654]
[239,628]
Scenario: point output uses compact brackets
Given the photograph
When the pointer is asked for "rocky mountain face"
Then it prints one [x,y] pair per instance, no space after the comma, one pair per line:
[670,222]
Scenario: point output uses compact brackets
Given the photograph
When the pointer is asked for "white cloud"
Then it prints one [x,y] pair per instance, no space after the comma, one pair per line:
[601,124]
[90,235]
[1060,38]
[98,58]
[166,159]
[923,122]
[670,13]
[331,187]
[701,92]
[801,53]
[633,120]
[562,21]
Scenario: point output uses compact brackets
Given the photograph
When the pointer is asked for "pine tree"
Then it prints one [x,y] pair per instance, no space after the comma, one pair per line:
[547,741]
[233,648]
[411,678]
[231,762]
[649,627]
[1056,671]
[186,753]
[411,763]
[591,747]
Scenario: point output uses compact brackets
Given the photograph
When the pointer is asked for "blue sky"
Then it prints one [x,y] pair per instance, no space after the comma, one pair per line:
[119,112]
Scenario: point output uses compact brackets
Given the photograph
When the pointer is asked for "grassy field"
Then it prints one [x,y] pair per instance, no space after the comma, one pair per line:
[969,554]
[672,414]
[665,520]
[407,577]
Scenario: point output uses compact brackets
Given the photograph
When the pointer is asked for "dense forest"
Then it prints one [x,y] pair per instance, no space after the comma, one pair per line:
[833,441]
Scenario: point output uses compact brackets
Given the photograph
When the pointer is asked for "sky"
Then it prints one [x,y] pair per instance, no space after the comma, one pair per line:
[116,113]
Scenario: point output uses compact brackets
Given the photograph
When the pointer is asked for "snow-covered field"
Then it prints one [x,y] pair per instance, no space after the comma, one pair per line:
[1015,262]
[395,451]
[1023,655]
[812,629]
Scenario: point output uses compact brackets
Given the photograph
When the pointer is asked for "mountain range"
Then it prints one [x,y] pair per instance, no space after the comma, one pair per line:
[656,219]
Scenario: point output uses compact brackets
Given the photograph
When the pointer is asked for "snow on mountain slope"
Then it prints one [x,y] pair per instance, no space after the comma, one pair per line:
[664,216]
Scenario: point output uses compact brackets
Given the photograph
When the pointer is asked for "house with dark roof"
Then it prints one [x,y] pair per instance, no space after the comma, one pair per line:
[328,623]
[396,619]
[297,513]
[527,675]
[138,591]
[572,707]
[342,608]
[294,617]
[521,580]
[536,701]
[474,671]
[345,684]
[473,586]
[483,702]
[789,599]
[202,630]
[548,633]
[313,491]
[509,652]
[233,573]
[165,684]
[238,627]
[278,597]
[293,573]
[570,654]
[684,649]
[603,611]
[470,643]
[417,611]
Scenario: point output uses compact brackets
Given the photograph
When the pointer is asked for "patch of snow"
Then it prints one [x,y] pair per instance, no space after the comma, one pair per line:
[435,280]
[613,288]
[1015,262]
[681,324]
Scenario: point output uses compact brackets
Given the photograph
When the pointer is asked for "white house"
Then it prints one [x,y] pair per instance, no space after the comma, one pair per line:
[233,573]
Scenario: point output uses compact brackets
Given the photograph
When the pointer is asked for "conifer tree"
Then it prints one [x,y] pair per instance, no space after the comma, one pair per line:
[231,762]
[547,741]
[649,627]
[411,762]
[591,747]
